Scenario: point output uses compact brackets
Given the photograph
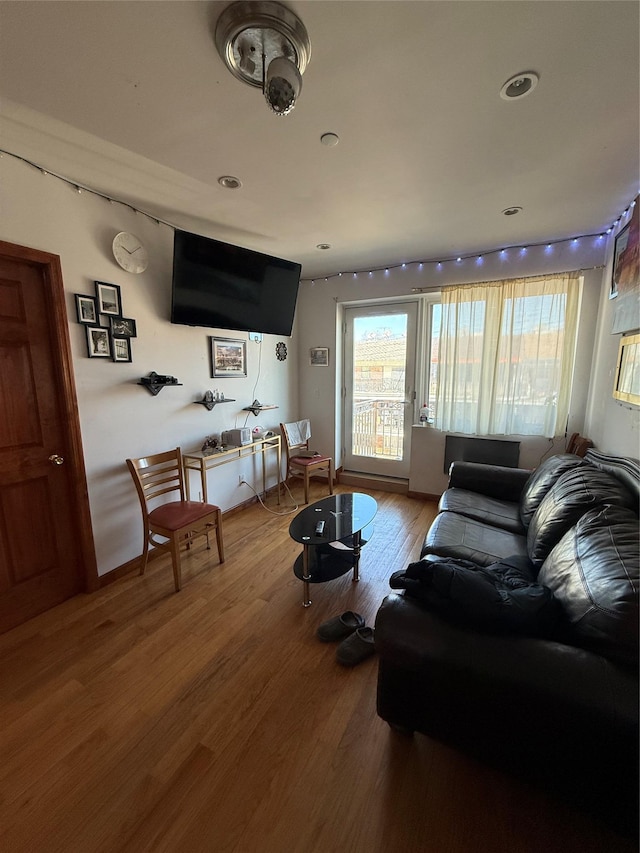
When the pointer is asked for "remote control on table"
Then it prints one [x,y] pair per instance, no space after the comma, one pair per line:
[320,528]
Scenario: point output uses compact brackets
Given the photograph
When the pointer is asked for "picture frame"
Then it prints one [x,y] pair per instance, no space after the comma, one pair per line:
[121,348]
[86,309]
[123,327]
[626,387]
[228,358]
[621,242]
[319,356]
[98,342]
[108,298]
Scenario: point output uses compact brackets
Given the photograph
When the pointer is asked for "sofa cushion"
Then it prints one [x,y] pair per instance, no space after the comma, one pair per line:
[453,535]
[500,513]
[594,574]
[576,492]
[501,597]
[541,481]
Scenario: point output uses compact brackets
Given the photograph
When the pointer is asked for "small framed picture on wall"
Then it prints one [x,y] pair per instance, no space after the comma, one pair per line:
[108,296]
[86,309]
[121,349]
[319,356]
[98,345]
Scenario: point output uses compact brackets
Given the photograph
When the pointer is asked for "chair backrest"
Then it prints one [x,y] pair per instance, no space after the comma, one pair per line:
[158,475]
[296,436]
[578,444]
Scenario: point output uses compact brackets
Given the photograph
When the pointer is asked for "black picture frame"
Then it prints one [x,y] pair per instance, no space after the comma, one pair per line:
[86,309]
[109,298]
[98,342]
[123,327]
[121,348]
[228,358]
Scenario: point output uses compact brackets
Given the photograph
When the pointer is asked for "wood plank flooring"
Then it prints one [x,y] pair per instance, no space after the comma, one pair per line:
[138,719]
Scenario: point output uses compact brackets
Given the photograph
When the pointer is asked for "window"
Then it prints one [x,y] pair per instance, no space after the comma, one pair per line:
[501,360]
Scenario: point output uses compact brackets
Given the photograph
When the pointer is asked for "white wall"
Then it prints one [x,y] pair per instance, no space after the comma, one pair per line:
[319,313]
[118,417]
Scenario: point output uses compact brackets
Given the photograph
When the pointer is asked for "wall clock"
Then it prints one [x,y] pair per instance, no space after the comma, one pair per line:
[129,252]
[281,350]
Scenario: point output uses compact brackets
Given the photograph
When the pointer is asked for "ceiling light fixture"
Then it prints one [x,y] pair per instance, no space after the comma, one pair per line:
[264,44]
[511,211]
[519,85]
[229,182]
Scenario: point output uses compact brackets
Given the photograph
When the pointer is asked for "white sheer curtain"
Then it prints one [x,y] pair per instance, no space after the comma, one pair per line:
[506,356]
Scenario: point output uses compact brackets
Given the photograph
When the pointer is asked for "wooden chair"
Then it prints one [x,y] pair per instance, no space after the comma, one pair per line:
[296,437]
[179,521]
[578,444]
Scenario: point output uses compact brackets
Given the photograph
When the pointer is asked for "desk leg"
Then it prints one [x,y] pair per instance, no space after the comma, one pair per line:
[357,547]
[306,601]
[279,472]
[203,480]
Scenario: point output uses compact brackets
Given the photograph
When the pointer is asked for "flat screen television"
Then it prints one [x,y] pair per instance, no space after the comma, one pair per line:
[221,286]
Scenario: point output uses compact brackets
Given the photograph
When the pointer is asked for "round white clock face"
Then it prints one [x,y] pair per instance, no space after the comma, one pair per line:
[129,252]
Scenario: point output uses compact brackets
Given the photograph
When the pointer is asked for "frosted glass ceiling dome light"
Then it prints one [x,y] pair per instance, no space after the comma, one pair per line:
[265,44]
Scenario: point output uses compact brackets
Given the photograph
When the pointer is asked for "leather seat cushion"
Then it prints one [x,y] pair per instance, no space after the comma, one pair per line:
[576,492]
[594,573]
[503,514]
[453,535]
[177,514]
[539,483]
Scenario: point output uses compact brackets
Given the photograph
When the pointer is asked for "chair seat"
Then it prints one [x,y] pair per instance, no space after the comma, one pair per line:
[178,514]
[308,460]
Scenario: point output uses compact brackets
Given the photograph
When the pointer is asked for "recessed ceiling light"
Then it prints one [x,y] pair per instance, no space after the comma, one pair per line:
[229,182]
[323,246]
[511,211]
[519,85]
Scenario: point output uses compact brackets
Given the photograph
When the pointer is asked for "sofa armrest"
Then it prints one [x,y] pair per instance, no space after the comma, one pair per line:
[495,481]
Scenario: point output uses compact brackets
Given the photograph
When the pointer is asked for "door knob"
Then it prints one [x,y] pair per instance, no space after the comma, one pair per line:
[56,460]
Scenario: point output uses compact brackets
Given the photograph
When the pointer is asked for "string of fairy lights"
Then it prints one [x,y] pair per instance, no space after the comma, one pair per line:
[479,257]
[439,264]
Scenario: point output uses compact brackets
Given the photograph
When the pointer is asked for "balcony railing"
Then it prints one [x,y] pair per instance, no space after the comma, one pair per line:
[378,428]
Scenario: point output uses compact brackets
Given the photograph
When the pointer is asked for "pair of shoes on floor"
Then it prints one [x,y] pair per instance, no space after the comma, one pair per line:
[357,639]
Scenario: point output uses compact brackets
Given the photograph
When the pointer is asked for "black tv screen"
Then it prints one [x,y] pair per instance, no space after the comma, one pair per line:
[221,286]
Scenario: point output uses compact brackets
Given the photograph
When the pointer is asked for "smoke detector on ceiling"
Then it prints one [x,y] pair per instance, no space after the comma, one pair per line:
[264,44]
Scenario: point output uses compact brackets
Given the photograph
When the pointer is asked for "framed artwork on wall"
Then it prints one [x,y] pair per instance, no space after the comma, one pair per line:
[319,356]
[123,327]
[120,348]
[98,344]
[625,277]
[228,358]
[108,296]
[86,309]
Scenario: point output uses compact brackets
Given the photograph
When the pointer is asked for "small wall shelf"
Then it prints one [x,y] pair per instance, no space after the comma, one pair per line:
[155,383]
[257,407]
[209,402]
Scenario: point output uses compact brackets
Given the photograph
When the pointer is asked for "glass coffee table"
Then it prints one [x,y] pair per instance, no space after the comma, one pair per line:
[332,532]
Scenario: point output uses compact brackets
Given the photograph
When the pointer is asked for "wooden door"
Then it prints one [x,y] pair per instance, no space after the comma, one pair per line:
[46,545]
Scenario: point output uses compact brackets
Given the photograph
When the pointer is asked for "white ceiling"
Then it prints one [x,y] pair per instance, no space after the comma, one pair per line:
[132,99]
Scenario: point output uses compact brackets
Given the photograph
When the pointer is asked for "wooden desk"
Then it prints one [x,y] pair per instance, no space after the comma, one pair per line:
[198,460]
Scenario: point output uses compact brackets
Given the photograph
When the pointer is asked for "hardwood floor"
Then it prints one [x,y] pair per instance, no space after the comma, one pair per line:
[138,719]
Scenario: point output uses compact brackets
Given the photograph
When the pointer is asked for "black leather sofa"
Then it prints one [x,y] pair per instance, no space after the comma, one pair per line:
[515,636]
